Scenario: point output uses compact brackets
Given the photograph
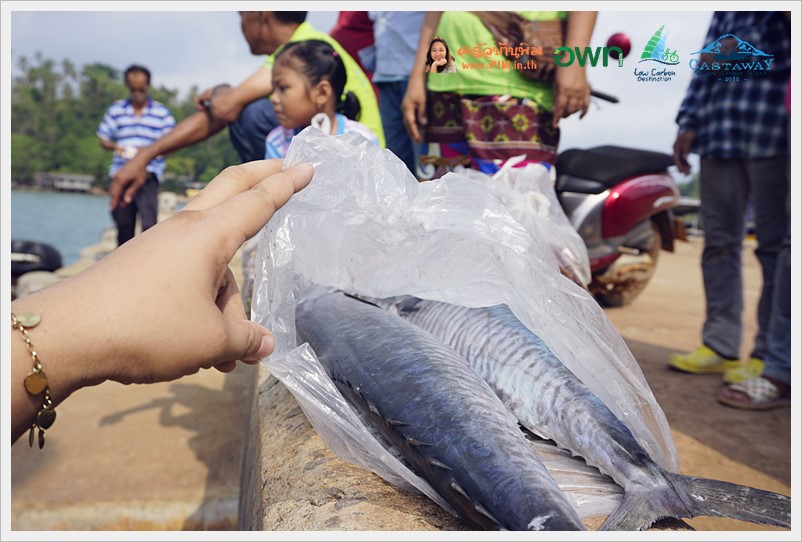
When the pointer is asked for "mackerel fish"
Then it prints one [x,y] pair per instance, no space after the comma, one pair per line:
[433,411]
[549,400]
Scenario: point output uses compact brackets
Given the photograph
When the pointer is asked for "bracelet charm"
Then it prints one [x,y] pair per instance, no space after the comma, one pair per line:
[36,381]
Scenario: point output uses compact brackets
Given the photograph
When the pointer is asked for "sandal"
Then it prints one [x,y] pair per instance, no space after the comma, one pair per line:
[756,393]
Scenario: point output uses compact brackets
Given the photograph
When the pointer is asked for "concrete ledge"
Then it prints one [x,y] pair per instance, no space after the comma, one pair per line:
[292,481]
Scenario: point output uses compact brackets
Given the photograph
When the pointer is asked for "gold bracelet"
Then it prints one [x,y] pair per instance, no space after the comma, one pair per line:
[36,381]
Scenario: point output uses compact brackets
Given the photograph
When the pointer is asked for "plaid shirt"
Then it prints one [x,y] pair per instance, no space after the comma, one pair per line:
[744,118]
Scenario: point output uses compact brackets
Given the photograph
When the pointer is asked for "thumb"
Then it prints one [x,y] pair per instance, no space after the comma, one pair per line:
[248,341]
[130,192]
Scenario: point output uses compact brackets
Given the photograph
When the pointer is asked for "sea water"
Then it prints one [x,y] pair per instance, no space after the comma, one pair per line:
[68,221]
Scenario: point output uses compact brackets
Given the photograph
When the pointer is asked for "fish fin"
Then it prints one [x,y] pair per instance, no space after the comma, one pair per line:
[724,499]
[635,513]
[690,497]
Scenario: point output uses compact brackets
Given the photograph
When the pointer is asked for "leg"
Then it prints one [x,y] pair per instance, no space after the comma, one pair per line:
[778,335]
[770,192]
[398,140]
[724,190]
[125,219]
[249,131]
[147,202]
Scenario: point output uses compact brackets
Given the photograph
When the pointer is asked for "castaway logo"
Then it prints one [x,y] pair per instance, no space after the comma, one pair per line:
[730,58]
[657,51]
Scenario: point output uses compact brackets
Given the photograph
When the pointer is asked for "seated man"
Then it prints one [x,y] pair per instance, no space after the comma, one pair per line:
[245,108]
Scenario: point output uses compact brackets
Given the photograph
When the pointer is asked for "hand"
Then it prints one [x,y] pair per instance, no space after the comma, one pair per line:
[413,107]
[127,181]
[682,148]
[571,93]
[177,306]
[440,62]
[220,103]
[163,305]
[202,100]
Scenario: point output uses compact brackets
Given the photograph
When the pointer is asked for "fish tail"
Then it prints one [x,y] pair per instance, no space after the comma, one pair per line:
[689,497]
[724,499]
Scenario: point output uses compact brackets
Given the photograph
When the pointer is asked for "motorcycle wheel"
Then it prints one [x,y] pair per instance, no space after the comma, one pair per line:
[620,293]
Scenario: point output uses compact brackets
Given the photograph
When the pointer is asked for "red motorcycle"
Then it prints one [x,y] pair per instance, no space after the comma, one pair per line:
[620,201]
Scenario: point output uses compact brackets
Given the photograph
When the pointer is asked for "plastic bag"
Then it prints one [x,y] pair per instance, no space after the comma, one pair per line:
[528,194]
[366,226]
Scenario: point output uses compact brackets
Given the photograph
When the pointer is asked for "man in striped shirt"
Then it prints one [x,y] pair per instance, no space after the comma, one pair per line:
[128,125]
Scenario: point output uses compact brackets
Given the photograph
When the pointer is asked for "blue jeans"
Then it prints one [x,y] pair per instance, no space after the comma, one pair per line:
[395,134]
[249,131]
[725,186]
[778,354]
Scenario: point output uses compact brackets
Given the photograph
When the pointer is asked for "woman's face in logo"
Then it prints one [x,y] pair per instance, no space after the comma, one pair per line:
[438,51]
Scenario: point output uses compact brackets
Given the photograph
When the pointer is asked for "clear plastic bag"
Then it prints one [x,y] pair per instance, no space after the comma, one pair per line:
[528,194]
[366,226]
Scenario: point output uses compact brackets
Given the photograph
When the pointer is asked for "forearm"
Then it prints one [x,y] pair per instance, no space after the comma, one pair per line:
[193,129]
[579,28]
[430,22]
[108,145]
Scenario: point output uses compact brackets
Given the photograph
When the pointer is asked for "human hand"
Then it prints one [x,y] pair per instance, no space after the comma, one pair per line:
[203,100]
[413,107]
[220,103]
[571,93]
[682,148]
[165,304]
[161,306]
[127,181]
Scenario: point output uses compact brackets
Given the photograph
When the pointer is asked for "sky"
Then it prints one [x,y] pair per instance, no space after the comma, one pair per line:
[203,48]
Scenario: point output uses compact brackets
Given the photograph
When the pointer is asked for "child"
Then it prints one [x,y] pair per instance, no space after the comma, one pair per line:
[308,82]
[439,59]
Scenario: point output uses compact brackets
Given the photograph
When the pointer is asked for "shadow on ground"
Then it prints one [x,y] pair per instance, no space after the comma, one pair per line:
[216,420]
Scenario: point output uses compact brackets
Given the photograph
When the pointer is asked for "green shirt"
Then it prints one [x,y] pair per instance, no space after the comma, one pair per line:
[357,82]
[485,75]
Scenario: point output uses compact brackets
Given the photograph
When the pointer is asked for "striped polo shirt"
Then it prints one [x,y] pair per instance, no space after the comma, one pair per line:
[121,125]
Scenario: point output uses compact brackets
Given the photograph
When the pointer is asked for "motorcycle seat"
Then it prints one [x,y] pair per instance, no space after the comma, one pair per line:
[607,165]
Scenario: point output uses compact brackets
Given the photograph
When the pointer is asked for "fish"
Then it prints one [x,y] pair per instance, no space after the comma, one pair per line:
[428,407]
[549,400]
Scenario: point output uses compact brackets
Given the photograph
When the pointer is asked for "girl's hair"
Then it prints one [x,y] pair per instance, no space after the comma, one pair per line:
[430,60]
[317,61]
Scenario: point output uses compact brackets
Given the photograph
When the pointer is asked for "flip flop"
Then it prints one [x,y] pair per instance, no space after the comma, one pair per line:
[756,393]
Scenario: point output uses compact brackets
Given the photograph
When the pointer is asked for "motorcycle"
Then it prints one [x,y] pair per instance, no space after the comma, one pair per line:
[620,200]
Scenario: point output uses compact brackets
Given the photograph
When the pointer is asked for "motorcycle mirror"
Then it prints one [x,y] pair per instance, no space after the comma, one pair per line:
[621,40]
